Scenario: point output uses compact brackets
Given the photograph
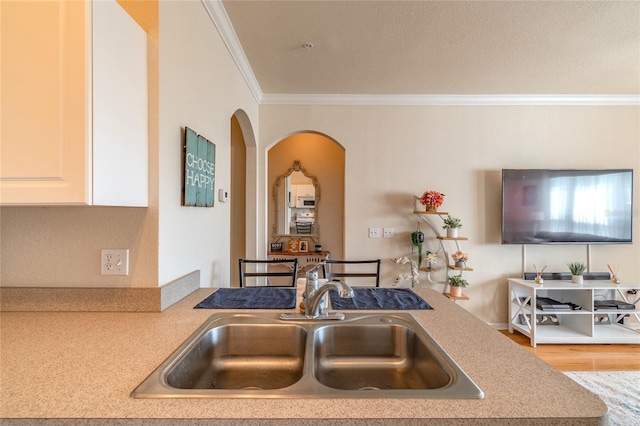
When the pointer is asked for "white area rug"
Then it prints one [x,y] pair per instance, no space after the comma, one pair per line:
[620,390]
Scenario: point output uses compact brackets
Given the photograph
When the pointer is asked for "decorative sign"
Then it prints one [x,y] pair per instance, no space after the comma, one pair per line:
[293,246]
[199,170]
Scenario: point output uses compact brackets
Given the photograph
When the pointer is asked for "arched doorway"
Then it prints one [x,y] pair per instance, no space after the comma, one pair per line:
[242,188]
[324,158]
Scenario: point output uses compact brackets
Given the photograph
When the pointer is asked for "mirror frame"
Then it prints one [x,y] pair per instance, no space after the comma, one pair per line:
[296,167]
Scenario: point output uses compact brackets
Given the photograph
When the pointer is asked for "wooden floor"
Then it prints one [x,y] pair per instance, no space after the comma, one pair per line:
[583,357]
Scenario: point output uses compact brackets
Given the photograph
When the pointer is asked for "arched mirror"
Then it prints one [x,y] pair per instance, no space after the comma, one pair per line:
[296,196]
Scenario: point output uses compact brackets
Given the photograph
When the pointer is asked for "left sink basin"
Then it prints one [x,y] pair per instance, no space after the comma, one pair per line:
[234,352]
[242,356]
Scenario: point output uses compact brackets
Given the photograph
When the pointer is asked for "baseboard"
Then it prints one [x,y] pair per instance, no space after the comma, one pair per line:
[498,325]
[72,299]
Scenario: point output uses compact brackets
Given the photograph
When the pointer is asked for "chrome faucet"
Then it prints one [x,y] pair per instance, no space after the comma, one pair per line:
[317,295]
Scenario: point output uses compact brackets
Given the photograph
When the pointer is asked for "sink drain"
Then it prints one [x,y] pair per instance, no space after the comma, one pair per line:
[369,388]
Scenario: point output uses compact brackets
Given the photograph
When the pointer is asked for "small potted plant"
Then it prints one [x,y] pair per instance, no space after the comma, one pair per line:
[577,270]
[452,224]
[431,258]
[460,258]
[432,200]
[456,282]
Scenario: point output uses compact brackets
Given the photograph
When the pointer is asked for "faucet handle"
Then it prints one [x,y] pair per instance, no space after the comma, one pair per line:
[312,274]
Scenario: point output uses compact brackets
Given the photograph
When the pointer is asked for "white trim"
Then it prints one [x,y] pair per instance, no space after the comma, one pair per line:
[452,100]
[220,19]
[498,325]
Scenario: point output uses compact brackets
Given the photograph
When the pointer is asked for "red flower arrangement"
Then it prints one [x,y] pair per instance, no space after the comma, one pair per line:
[432,198]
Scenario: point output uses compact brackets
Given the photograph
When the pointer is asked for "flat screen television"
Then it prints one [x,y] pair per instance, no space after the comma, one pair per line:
[544,206]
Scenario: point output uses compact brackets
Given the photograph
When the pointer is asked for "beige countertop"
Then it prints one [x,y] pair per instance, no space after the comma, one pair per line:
[75,365]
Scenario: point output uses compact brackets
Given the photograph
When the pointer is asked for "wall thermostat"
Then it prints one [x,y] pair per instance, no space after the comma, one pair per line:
[223,195]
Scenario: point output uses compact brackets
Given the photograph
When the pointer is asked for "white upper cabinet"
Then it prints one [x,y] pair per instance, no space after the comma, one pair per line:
[74,105]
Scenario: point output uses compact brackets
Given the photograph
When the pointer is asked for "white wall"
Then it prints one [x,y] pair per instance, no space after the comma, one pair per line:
[394,153]
[200,88]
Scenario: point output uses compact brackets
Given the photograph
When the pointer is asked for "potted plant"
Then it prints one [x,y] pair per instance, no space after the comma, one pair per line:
[452,224]
[417,238]
[577,270]
[432,200]
[431,258]
[456,282]
[460,258]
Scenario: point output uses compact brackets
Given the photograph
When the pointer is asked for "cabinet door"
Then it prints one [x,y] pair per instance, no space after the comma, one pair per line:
[120,129]
[44,154]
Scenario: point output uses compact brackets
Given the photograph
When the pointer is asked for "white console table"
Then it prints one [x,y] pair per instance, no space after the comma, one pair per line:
[572,326]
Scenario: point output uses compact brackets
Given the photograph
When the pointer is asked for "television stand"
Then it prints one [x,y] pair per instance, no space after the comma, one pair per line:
[569,326]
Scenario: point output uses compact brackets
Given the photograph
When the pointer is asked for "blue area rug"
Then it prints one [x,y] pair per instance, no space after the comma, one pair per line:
[250,298]
[380,298]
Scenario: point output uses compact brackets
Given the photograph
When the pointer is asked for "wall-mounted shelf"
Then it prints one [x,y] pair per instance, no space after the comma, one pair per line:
[454,298]
[452,238]
[456,268]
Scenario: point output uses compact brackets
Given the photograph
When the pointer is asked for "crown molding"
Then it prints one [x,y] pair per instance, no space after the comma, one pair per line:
[453,100]
[220,19]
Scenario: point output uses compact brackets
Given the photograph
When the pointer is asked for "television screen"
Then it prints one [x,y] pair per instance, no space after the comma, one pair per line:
[566,206]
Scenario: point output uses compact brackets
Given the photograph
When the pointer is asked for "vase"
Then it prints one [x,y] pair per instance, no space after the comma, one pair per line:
[460,264]
[452,232]
[576,279]
[431,208]
[455,291]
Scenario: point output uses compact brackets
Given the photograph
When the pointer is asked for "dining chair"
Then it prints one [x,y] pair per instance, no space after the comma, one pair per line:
[272,273]
[303,227]
[362,270]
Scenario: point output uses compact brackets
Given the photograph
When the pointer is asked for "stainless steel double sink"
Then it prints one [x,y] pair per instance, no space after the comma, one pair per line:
[261,356]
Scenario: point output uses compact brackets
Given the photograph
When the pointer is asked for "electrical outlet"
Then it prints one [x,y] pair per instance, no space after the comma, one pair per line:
[387,232]
[114,262]
[374,232]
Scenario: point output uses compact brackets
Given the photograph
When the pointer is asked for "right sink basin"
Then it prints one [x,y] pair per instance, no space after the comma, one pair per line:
[377,356]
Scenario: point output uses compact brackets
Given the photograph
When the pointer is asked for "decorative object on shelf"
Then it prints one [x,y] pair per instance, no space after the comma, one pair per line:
[293,245]
[417,238]
[614,274]
[414,271]
[432,200]
[303,246]
[452,224]
[318,248]
[577,270]
[460,258]
[538,279]
[431,258]
[456,282]
[275,247]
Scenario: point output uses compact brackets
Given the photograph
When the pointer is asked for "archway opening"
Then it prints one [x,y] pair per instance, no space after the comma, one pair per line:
[324,158]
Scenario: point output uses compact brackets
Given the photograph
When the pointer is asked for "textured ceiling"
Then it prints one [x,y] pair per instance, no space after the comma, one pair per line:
[441,47]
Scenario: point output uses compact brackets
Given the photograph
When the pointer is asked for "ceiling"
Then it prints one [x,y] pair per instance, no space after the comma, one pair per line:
[439,47]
